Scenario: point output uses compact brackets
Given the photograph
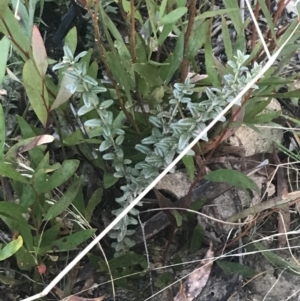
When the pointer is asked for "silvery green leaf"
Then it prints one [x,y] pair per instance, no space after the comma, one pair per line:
[118,131]
[150,140]
[153,158]
[169,140]
[164,114]
[169,157]
[143,149]
[179,86]
[109,156]
[98,89]
[173,101]
[121,199]
[93,123]
[141,165]
[184,140]
[131,232]
[119,152]
[163,145]
[190,153]
[119,174]
[106,104]
[232,64]
[88,79]
[132,220]
[59,66]
[187,121]
[118,166]
[106,144]
[155,121]
[188,92]
[106,130]
[71,87]
[86,99]
[83,67]
[159,151]
[80,55]
[185,100]
[72,74]
[177,94]
[121,234]
[113,234]
[117,246]
[149,173]
[68,53]
[119,140]
[129,242]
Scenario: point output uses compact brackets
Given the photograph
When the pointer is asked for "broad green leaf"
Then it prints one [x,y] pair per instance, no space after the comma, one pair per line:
[210,62]
[214,13]
[31,14]
[3,7]
[265,118]
[12,216]
[27,145]
[8,170]
[167,29]
[64,92]
[92,203]
[68,242]
[255,107]
[162,8]
[60,176]
[189,164]
[24,22]
[287,34]
[36,91]
[71,39]
[197,239]
[10,27]
[127,8]
[36,154]
[197,39]
[152,12]
[48,236]
[28,196]
[149,73]
[2,132]
[236,268]
[174,15]
[12,209]
[176,59]
[63,203]
[39,52]
[109,180]
[79,203]
[226,39]
[276,260]
[4,49]
[234,15]
[11,248]
[232,177]
[25,259]
[269,19]
[178,218]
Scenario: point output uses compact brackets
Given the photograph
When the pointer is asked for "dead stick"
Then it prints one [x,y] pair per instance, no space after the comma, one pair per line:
[275,202]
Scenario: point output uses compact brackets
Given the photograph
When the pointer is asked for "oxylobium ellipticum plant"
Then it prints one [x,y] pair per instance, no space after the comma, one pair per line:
[174,124]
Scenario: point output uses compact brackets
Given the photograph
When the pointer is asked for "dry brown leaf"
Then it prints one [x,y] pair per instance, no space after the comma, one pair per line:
[196,281]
